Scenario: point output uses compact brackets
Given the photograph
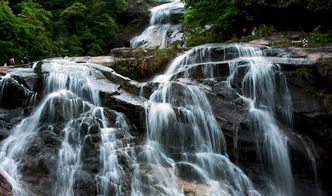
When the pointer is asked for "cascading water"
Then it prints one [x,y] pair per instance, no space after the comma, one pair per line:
[183,136]
[111,174]
[185,142]
[162,31]
[262,87]
[72,102]
[259,90]
[184,148]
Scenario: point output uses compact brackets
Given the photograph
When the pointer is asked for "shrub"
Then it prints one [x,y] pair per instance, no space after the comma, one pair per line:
[141,64]
[265,30]
[321,38]
[209,21]
[303,73]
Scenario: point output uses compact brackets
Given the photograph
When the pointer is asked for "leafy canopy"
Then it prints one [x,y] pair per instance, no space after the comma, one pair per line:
[41,29]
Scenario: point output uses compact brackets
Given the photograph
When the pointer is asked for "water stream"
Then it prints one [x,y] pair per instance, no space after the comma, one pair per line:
[162,30]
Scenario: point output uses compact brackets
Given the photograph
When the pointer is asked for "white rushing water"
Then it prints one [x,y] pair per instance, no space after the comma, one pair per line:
[162,31]
[263,88]
[72,99]
[183,138]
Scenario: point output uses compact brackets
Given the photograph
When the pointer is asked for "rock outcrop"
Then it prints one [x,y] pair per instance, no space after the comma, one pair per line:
[311,91]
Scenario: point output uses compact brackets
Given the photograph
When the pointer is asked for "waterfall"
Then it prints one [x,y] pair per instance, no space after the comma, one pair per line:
[183,148]
[111,174]
[263,88]
[162,31]
[183,138]
[71,102]
[259,89]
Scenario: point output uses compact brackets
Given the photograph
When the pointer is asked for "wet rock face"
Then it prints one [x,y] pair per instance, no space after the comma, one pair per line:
[27,77]
[40,161]
[15,99]
[13,94]
[311,117]
[16,90]
[5,187]
[310,87]
[10,118]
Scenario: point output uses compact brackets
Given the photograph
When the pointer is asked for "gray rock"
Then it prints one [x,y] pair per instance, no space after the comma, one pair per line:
[26,77]
[13,94]
[5,187]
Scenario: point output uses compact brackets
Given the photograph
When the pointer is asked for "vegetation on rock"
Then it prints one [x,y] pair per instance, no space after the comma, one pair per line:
[209,21]
[140,64]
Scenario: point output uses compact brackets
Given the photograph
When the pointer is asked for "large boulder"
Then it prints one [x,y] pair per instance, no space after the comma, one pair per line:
[13,94]
[27,77]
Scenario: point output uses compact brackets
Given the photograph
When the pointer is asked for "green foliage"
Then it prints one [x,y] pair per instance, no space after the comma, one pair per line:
[209,20]
[320,5]
[37,24]
[27,33]
[308,4]
[92,29]
[94,49]
[320,38]
[116,7]
[41,29]
[302,73]
[73,46]
[162,57]
[9,31]
[34,14]
[74,15]
[265,30]
[220,20]
[141,64]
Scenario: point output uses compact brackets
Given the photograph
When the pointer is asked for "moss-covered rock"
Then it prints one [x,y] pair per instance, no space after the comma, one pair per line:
[140,64]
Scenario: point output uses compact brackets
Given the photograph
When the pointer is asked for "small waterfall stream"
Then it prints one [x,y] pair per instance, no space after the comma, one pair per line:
[162,30]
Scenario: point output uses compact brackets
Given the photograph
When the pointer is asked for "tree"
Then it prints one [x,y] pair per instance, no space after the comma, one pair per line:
[9,32]
[73,18]
[209,20]
[102,25]
[37,24]
[41,29]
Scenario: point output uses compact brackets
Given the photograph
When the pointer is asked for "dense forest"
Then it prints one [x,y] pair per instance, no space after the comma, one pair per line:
[41,29]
